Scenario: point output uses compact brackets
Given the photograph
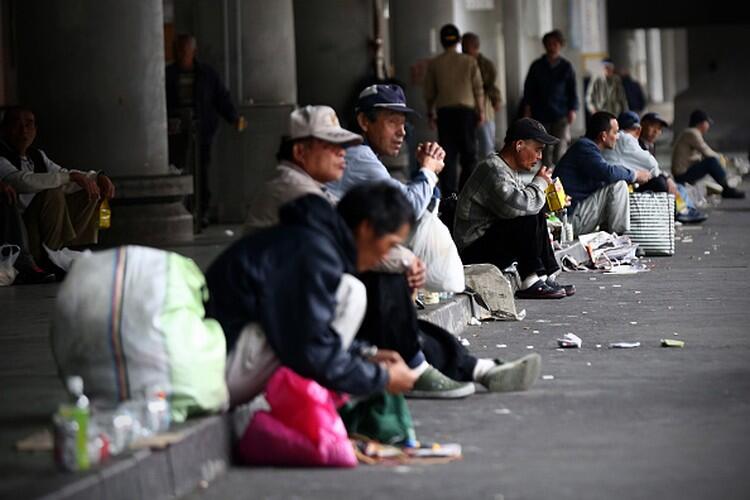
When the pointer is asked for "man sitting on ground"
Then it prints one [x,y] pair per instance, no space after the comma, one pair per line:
[628,153]
[501,220]
[287,295]
[598,189]
[391,320]
[652,125]
[693,159]
[59,206]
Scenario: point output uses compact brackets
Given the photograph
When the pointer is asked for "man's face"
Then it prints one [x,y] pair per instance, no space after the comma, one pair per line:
[386,134]
[21,133]
[553,47]
[371,249]
[185,54]
[528,153]
[703,126]
[324,161]
[650,131]
[470,48]
[609,138]
[609,70]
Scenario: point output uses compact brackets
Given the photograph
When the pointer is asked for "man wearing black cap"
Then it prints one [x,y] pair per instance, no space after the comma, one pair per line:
[453,87]
[693,159]
[652,125]
[500,220]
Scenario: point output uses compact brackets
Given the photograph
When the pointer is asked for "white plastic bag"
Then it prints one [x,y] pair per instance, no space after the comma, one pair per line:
[433,244]
[8,256]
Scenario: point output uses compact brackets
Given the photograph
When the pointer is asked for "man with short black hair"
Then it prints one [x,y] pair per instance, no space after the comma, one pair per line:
[693,159]
[501,220]
[598,189]
[652,125]
[453,88]
[550,95]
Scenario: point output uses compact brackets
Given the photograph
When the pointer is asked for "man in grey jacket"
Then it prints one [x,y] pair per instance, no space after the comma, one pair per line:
[500,220]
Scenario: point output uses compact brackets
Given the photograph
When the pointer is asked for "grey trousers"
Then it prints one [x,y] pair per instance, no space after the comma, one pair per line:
[561,130]
[608,208]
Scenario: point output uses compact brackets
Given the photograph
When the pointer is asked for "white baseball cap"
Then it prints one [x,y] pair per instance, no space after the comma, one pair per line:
[322,123]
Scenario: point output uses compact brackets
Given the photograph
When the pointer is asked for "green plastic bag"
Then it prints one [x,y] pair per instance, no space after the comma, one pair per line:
[383,417]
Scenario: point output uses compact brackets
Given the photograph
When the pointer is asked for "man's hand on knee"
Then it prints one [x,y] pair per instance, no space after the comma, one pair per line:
[86,183]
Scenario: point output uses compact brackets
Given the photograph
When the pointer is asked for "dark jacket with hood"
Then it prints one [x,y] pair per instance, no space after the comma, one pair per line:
[285,278]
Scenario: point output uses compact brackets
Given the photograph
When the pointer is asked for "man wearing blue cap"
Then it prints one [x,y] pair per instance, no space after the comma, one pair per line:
[693,159]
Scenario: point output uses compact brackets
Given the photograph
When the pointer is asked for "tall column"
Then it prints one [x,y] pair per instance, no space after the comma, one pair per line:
[93,71]
[654,62]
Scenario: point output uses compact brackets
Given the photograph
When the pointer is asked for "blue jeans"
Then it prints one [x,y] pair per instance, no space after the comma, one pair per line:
[486,139]
[707,166]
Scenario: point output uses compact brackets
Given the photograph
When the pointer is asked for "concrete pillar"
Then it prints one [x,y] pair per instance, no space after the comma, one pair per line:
[655,69]
[669,71]
[93,70]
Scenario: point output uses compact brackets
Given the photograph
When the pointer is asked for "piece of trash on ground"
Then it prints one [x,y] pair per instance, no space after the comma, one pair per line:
[534,331]
[529,347]
[548,377]
[598,346]
[502,411]
[588,363]
[229,232]
[675,334]
[474,322]
[501,346]
[616,286]
[570,341]
[633,322]
[624,345]
[672,343]
[465,342]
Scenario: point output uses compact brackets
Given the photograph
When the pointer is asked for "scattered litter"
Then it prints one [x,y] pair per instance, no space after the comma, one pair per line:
[598,346]
[527,328]
[602,288]
[624,345]
[616,286]
[542,321]
[672,343]
[560,349]
[570,341]
[465,342]
[501,346]
[548,377]
[529,347]
[38,441]
[675,334]
[592,279]
[229,232]
[584,312]
[669,307]
[534,331]
[633,322]
[588,363]
[707,252]
[474,322]
[637,292]
[502,411]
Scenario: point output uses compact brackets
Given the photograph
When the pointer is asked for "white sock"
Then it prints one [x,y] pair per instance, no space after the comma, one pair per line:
[529,280]
[555,275]
[421,368]
[483,366]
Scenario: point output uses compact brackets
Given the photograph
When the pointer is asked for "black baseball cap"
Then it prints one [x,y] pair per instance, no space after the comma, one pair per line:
[654,117]
[382,96]
[449,35]
[528,128]
[698,116]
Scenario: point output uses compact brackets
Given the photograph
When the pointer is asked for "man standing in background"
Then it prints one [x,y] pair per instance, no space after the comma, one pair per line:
[550,96]
[492,97]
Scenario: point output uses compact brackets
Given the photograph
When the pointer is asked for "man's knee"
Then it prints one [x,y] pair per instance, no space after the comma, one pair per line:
[54,196]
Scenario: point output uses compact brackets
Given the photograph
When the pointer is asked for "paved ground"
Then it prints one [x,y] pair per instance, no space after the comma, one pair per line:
[643,423]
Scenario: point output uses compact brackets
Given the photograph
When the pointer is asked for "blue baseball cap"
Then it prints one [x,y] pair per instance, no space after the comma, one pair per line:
[628,120]
[382,96]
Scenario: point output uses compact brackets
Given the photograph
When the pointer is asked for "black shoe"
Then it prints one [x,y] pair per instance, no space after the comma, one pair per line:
[568,289]
[692,216]
[730,192]
[34,277]
[540,290]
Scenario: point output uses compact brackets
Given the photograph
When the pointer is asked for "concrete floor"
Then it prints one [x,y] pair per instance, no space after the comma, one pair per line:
[643,423]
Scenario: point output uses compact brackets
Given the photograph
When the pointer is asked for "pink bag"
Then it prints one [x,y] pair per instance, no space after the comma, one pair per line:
[303,427]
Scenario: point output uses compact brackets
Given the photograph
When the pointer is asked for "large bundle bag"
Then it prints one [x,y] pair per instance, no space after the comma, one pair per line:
[432,242]
[131,320]
[302,427]
[652,222]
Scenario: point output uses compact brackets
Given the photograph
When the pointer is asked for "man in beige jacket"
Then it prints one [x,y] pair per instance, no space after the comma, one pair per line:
[693,159]
[453,86]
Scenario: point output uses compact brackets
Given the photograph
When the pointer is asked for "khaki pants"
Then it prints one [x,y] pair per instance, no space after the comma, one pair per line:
[607,207]
[58,220]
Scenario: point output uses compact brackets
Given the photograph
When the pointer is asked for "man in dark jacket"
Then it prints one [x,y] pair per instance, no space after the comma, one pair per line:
[196,87]
[549,95]
[599,190]
[287,295]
